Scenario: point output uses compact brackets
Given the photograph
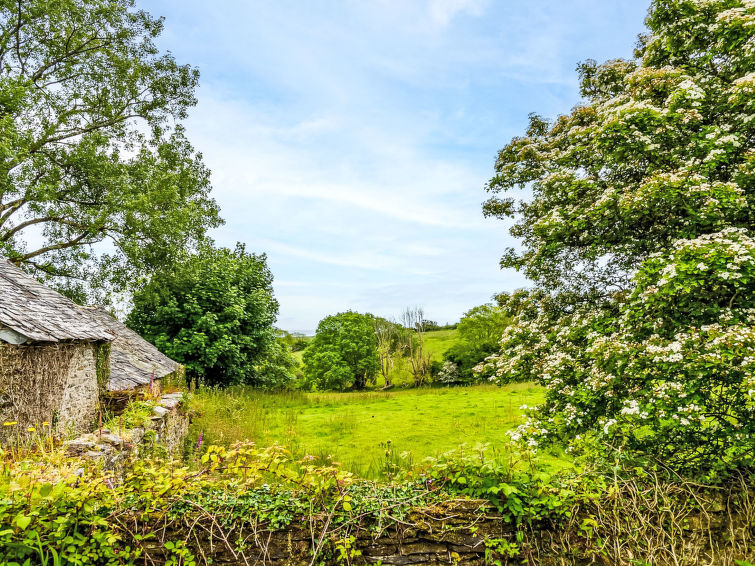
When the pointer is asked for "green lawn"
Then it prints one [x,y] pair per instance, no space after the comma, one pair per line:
[354,428]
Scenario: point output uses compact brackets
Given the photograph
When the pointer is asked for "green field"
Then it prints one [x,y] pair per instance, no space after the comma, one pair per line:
[354,428]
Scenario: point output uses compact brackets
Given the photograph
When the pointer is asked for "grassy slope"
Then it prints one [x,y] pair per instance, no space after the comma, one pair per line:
[352,428]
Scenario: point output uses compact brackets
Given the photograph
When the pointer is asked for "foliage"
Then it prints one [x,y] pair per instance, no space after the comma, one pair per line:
[92,145]
[344,352]
[483,324]
[83,517]
[214,312]
[638,236]
[63,511]
[388,335]
[612,516]
[137,414]
[480,330]
[448,373]
[278,369]
[296,341]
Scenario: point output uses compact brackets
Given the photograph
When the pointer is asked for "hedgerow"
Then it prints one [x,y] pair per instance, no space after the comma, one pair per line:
[57,511]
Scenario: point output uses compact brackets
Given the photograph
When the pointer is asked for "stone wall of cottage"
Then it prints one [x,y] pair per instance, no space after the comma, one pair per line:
[52,383]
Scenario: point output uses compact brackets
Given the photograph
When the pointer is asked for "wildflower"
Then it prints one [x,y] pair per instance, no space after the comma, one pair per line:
[31,429]
[45,423]
[10,423]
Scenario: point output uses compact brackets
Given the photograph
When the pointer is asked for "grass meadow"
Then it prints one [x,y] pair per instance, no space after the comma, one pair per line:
[367,431]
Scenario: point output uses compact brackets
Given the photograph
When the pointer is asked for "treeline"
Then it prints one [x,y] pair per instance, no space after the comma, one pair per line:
[352,350]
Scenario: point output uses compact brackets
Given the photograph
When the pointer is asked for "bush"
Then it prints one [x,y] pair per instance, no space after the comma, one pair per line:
[214,312]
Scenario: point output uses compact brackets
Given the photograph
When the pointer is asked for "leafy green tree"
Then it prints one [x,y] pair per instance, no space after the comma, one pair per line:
[278,369]
[214,312]
[93,157]
[344,352]
[480,330]
[483,324]
[639,237]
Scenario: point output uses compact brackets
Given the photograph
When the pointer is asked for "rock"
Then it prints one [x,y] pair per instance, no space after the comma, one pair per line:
[171,400]
[79,446]
[160,411]
[137,435]
[112,439]
[92,455]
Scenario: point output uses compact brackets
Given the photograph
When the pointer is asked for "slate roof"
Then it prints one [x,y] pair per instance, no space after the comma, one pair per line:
[41,314]
[132,358]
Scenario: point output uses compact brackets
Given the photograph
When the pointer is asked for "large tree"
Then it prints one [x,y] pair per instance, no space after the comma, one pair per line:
[344,352]
[98,183]
[639,237]
[214,312]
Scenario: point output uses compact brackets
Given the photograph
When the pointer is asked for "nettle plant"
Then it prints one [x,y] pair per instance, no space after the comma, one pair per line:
[639,238]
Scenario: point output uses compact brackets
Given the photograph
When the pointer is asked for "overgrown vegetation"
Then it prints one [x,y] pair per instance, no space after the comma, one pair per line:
[232,501]
[480,331]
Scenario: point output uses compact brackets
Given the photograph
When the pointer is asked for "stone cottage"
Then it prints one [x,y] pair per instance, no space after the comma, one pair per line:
[58,359]
[53,357]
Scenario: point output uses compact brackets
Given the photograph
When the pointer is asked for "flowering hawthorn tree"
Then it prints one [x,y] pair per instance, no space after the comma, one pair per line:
[641,229]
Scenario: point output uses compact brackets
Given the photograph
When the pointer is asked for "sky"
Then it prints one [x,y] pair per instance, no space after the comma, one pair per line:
[352,141]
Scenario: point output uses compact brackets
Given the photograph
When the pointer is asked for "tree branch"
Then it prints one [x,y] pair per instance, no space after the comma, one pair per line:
[78,241]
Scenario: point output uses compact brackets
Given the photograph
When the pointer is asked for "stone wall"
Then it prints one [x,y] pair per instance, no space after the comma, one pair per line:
[115,449]
[53,383]
[455,532]
[452,532]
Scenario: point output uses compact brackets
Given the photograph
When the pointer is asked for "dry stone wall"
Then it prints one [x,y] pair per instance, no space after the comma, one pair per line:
[454,533]
[167,429]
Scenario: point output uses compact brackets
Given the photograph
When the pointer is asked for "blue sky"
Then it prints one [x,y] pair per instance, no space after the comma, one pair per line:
[351,141]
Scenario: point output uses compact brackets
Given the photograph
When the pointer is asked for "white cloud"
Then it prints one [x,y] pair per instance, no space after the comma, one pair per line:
[443,11]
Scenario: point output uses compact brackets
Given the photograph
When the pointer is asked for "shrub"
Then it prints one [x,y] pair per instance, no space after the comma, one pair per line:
[214,312]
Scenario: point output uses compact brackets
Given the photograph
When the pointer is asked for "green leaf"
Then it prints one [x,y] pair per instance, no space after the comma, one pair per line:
[23,521]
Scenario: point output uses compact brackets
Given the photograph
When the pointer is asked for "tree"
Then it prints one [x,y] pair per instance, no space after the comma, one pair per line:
[278,369]
[483,324]
[657,151]
[480,330]
[387,334]
[638,236]
[214,312]
[412,340]
[98,183]
[344,352]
